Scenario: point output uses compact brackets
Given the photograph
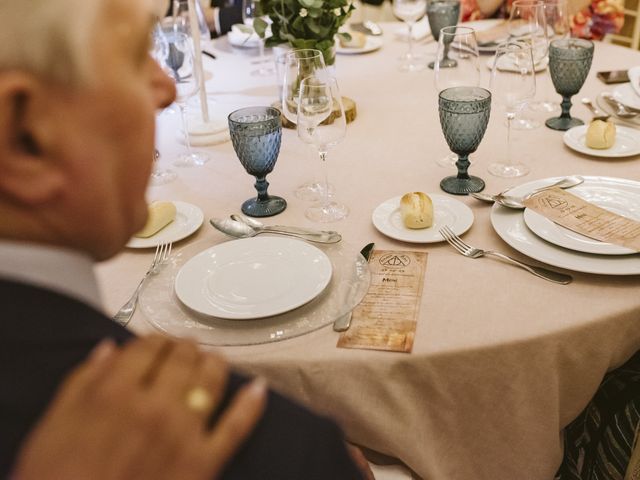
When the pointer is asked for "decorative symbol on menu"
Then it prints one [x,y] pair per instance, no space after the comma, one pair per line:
[556,203]
[395,261]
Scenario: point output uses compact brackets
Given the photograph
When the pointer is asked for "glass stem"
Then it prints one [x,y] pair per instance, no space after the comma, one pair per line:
[325,194]
[566,107]
[510,117]
[187,140]
[410,41]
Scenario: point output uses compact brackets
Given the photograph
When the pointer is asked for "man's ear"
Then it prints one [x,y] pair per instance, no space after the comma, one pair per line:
[28,174]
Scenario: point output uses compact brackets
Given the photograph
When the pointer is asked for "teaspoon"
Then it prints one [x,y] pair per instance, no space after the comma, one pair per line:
[511,201]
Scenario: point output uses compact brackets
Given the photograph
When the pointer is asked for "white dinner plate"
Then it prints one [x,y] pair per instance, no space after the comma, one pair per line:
[188,220]
[627,142]
[626,95]
[609,110]
[507,66]
[622,202]
[371,45]
[634,78]
[253,278]
[510,226]
[446,211]
[479,26]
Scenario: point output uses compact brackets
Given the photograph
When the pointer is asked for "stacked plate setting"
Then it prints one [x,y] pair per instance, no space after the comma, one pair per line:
[539,238]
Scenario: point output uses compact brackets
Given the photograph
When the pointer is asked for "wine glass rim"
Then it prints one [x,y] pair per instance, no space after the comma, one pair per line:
[457,30]
[245,111]
[527,2]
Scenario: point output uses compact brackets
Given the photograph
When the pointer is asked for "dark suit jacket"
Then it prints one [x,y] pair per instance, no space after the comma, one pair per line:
[43,335]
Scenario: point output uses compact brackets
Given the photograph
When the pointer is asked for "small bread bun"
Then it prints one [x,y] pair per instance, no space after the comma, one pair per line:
[161,214]
[416,209]
[358,40]
[601,135]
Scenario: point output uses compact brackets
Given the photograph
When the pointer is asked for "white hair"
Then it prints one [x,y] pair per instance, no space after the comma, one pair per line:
[50,38]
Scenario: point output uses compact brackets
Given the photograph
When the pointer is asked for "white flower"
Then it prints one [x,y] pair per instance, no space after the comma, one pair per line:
[303,12]
[346,8]
[337,11]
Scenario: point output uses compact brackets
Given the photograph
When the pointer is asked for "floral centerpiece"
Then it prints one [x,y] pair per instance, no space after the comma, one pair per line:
[305,23]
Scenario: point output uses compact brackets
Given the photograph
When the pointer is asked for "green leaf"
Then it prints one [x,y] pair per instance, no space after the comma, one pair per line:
[260,26]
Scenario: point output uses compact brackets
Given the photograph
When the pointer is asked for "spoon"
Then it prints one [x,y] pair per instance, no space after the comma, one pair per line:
[511,201]
[234,228]
[621,110]
[258,225]
[367,27]
[597,114]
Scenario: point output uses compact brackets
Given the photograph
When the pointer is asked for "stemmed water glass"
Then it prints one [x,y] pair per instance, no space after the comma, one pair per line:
[321,122]
[528,23]
[298,65]
[569,63]
[464,115]
[256,134]
[466,73]
[180,64]
[180,19]
[513,83]
[251,10]
[441,14]
[410,11]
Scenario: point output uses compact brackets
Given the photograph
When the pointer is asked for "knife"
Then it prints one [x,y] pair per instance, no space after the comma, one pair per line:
[343,323]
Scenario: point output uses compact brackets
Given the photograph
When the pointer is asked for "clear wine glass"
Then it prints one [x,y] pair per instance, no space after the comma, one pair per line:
[558,26]
[321,122]
[298,65]
[512,84]
[410,11]
[251,10]
[180,64]
[528,23]
[441,14]
[463,47]
[180,19]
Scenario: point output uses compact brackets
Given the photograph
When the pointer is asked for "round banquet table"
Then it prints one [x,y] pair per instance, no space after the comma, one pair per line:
[502,360]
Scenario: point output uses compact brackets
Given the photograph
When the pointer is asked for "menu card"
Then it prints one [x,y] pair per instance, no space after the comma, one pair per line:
[585,218]
[387,316]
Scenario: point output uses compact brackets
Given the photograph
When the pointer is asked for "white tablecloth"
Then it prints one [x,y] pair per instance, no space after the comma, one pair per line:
[502,360]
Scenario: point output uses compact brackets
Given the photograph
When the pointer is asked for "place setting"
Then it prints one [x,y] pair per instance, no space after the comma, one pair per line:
[608,209]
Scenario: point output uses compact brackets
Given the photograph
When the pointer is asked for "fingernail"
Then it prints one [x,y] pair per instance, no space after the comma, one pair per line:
[102,350]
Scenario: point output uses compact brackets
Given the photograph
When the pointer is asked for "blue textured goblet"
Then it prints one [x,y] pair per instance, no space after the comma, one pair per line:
[569,64]
[464,115]
[441,14]
[256,133]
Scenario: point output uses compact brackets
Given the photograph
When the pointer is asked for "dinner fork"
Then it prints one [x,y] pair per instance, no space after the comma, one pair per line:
[163,252]
[472,252]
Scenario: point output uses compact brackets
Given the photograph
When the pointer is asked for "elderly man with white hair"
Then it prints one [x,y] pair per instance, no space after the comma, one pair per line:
[78,94]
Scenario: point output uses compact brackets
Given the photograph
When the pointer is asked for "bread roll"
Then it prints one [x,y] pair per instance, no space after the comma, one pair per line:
[161,214]
[358,40]
[601,135]
[416,209]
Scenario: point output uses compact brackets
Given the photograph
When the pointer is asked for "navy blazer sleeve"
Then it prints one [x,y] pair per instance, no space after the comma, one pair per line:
[44,335]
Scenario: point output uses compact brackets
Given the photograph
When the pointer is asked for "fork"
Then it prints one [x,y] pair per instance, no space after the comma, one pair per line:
[163,252]
[472,252]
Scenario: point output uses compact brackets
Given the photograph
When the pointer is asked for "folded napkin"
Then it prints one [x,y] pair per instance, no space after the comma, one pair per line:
[634,78]
[421,30]
[213,132]
[496,34]
[242,35]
